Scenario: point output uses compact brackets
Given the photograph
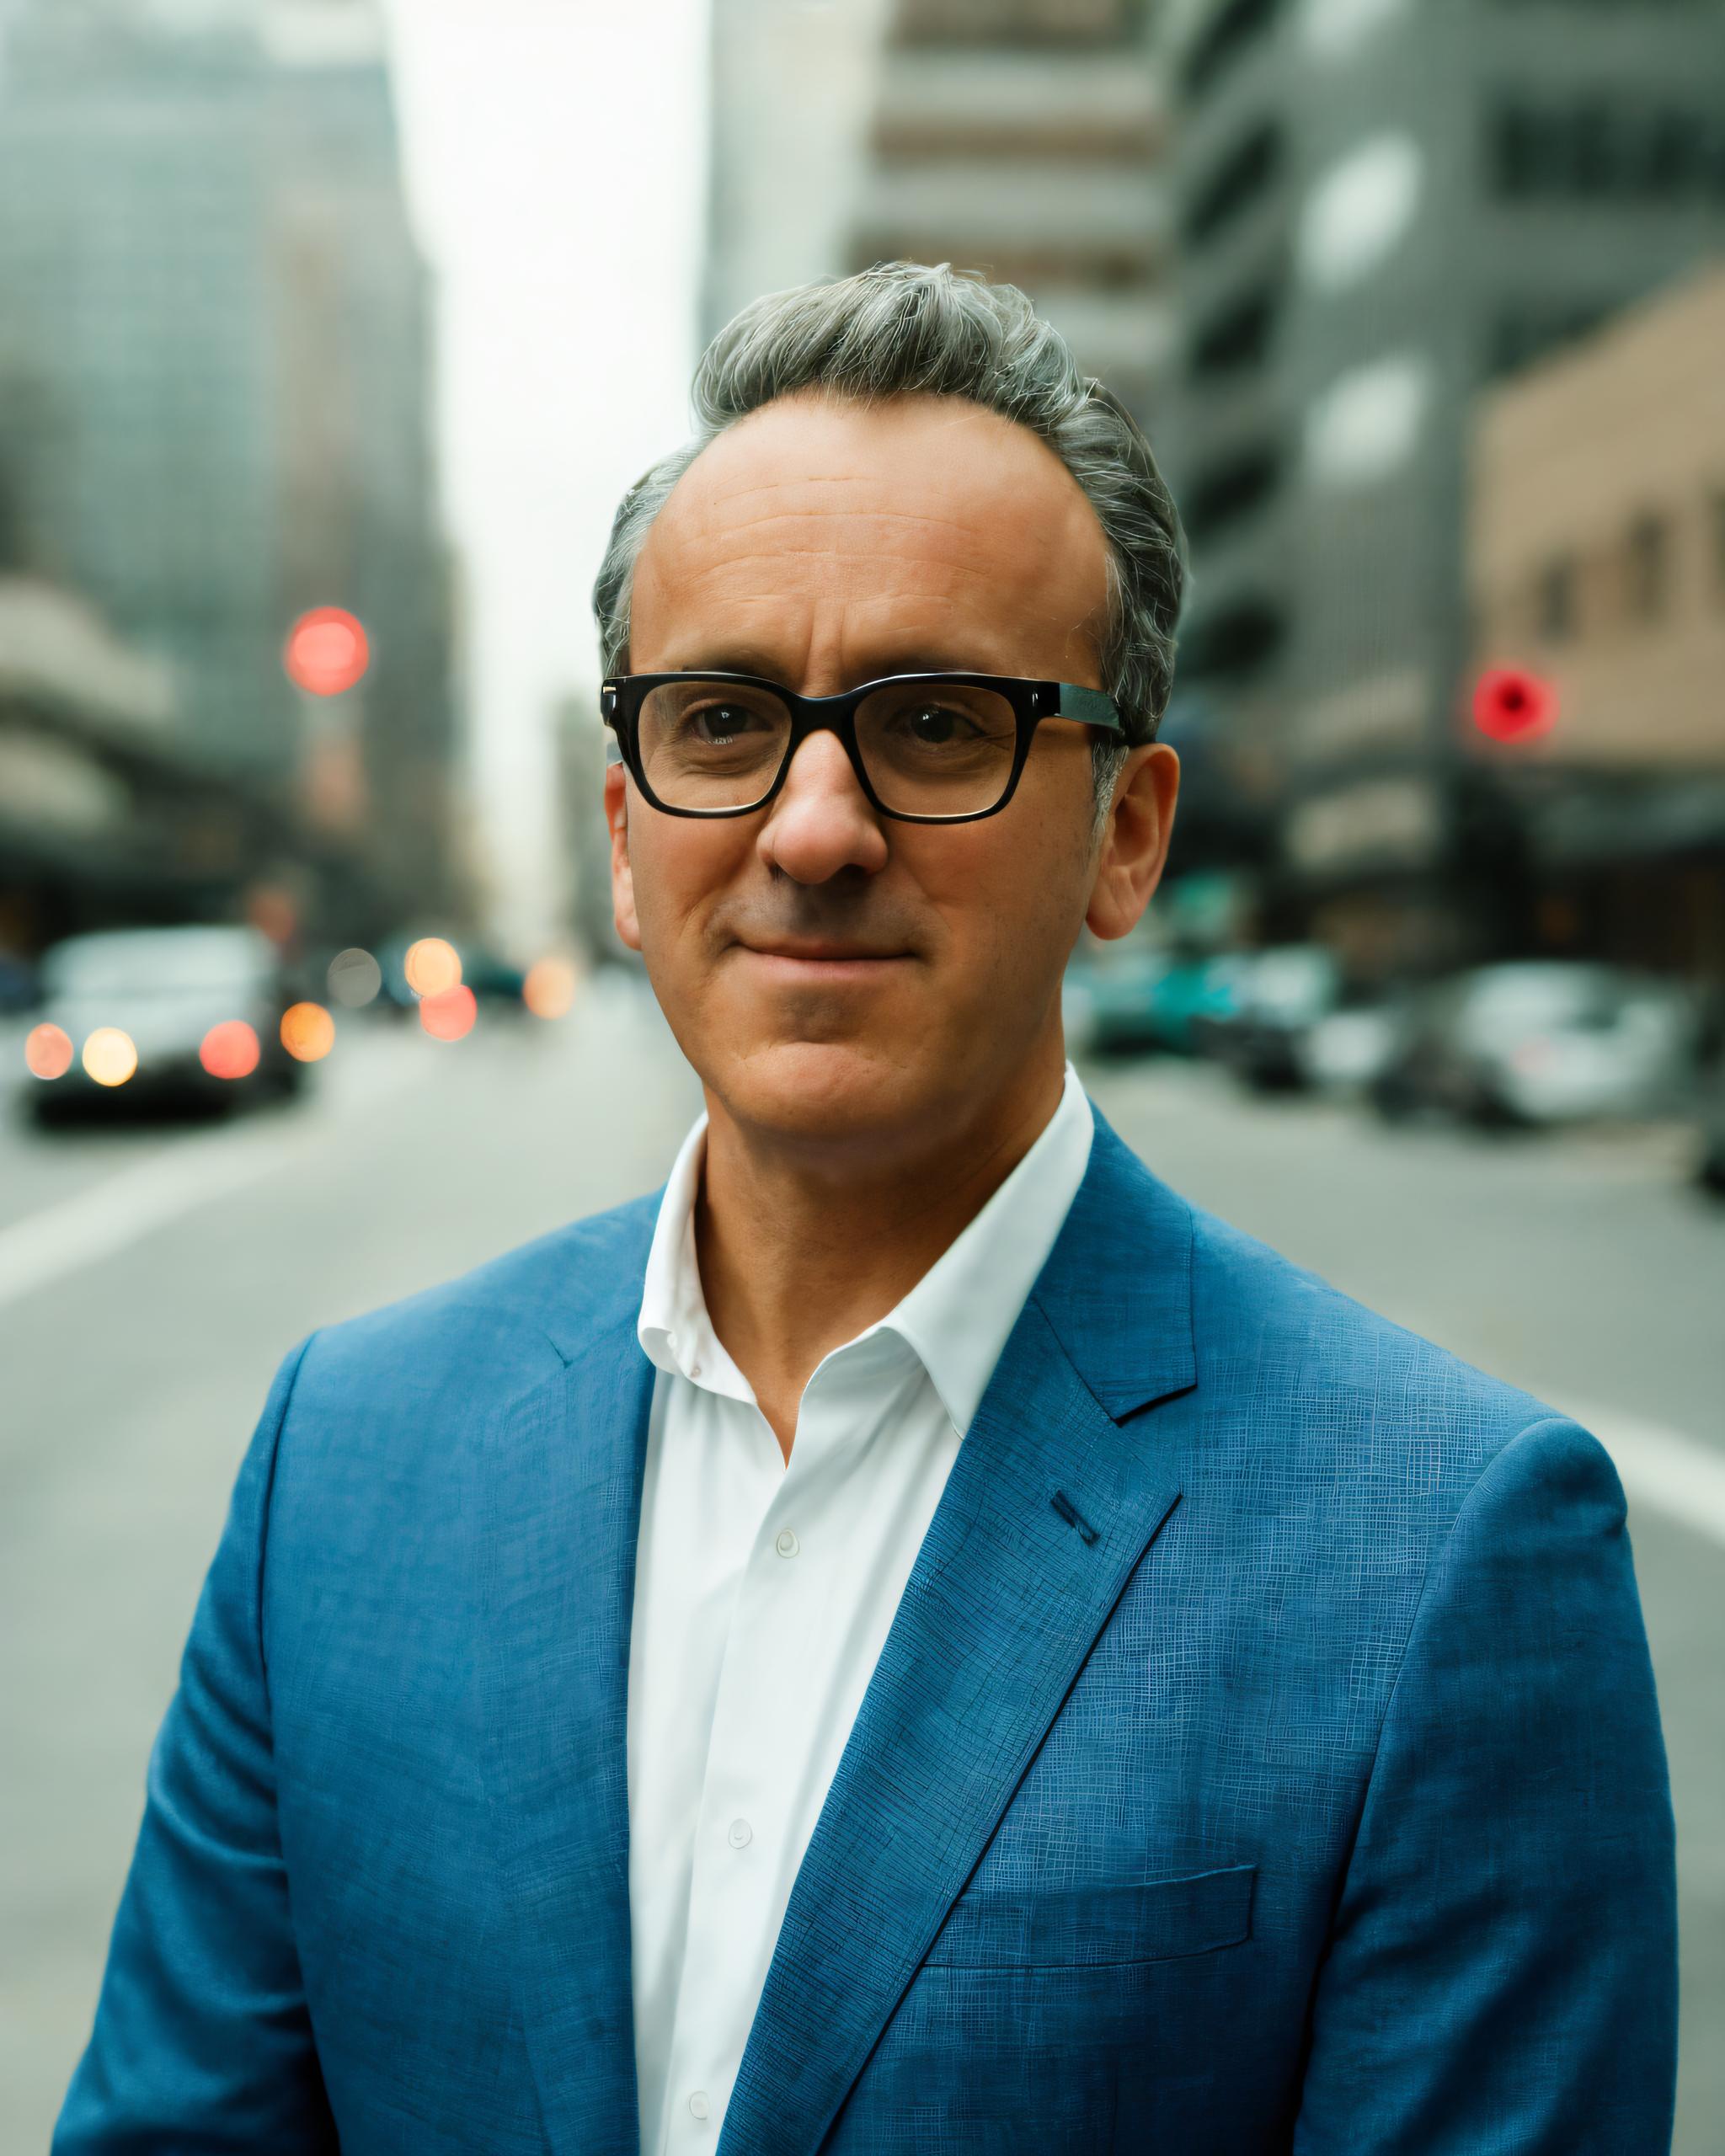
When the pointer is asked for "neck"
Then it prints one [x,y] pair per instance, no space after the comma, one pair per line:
[799,1255]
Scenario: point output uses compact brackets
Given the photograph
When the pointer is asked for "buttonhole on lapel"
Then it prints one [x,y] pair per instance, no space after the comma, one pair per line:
[1070,1512]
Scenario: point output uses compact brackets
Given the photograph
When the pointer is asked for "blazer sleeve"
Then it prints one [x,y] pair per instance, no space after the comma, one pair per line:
[1502,1968]
[202,2040]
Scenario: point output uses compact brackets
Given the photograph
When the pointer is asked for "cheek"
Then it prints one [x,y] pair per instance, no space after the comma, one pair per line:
[678,868]
[1011,896]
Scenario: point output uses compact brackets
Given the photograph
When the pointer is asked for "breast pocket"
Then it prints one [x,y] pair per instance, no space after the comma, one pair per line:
[1093,1922]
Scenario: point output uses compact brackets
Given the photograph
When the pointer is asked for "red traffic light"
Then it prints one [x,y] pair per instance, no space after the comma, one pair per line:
[326,651]
[1510,704]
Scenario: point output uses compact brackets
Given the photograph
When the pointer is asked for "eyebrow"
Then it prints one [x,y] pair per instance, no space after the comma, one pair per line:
[741,659]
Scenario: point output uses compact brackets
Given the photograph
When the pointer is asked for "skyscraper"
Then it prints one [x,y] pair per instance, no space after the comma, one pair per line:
[214,362]
[1382,206]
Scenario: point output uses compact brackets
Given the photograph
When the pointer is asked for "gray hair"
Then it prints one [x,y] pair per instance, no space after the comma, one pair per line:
[906,328]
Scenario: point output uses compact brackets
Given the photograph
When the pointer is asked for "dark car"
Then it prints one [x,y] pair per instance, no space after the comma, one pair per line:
[195,1011]
[1283,993]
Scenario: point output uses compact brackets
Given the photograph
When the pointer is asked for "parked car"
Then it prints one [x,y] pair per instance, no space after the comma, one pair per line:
[1281,994]
[177,998]
[1106,1000]
[1543,1042]
[1133,999]
[1349,1049]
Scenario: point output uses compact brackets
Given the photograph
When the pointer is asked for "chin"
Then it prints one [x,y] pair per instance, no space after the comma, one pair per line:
[831,1091]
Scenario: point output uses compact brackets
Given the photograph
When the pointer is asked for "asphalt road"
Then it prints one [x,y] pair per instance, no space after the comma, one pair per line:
[151,1279]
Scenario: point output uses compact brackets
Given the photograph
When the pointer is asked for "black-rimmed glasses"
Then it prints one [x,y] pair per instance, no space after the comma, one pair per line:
[925,747]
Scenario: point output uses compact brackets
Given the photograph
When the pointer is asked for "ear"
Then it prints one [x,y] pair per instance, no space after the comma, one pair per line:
[622,876]
[1135,842]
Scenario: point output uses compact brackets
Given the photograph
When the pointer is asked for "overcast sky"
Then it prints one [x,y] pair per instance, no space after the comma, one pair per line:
[556,155]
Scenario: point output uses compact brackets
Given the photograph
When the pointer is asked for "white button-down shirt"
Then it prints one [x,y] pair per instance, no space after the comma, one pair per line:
[764,1592]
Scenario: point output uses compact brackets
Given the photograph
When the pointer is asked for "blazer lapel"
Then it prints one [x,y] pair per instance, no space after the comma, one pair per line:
[1048,1508]
[562,1491]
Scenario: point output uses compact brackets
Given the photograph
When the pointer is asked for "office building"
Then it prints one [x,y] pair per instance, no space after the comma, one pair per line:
[1026,139]
[1383,207]
[1602,576]
[215,349]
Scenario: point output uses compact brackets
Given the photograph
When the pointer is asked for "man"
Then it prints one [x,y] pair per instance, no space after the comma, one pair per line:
[913,1639]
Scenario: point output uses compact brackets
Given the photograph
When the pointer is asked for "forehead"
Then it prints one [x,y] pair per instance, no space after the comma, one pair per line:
[819,519]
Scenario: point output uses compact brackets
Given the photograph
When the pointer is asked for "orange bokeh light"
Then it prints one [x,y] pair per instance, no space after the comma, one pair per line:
[110,1056]
[308,1032]
[432,966]
[47,1052]
[326,652]
[549,989]
[230,1050]
[449,1016]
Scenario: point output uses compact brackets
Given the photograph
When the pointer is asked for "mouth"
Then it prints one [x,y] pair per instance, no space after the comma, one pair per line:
[815,958]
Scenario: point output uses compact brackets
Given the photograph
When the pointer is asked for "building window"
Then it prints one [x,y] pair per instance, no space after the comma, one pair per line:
[1230,489]
[1595,148]
[1557,599]
[1647,564]
[1234,182]
[1231,30]
[1237,336]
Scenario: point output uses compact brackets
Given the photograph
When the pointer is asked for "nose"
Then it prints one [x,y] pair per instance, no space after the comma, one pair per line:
[821,824]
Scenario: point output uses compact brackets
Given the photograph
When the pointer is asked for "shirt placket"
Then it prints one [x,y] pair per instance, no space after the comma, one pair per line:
[751,1782]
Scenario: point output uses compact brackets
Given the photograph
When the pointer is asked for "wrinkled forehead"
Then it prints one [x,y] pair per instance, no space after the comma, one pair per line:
[916,501]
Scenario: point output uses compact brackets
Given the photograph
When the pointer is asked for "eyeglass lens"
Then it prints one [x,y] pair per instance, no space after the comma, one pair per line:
[929,749]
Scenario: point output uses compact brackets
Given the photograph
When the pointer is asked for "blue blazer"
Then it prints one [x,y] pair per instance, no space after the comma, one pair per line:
[1264,1755]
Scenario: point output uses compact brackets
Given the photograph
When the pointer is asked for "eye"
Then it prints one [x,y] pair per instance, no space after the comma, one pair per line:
[937,726]
[719,724]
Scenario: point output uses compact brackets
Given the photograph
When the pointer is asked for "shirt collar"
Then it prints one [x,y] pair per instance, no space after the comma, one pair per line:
[955,1319]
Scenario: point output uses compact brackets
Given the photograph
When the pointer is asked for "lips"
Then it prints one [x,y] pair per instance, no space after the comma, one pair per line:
[823,953]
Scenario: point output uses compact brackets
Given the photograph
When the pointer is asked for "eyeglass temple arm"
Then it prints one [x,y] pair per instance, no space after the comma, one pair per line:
[1089,706]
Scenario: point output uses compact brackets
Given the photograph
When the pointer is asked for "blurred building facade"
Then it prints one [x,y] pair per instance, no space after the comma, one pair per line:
[1596,563]
[792,90]
[1021,138]
[1382,208]
[1025,138]
[107,813]
[214,354]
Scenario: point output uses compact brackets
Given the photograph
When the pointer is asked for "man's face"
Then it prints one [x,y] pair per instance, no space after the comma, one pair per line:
[833,975]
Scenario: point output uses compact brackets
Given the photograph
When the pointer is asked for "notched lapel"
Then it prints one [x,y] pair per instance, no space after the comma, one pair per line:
[561,1491]
[1008,1593]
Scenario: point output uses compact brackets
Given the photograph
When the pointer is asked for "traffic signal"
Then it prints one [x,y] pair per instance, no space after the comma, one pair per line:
[326,652]
[1510,704]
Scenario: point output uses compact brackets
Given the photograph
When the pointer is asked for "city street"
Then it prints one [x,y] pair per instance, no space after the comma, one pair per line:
[151,1278]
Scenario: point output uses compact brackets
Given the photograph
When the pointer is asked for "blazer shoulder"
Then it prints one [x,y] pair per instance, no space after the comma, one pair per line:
[1325,1374]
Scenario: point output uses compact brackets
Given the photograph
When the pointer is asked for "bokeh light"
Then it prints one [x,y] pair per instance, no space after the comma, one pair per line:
[109,1057]
[432,967]
[230,1050]
[1512,705]
[449,1016]
[326,652]
[549,989]
[354,979]
[308,1032]
[47,1052]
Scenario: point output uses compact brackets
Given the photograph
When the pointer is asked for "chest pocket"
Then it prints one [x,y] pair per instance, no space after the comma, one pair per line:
[1097,1922]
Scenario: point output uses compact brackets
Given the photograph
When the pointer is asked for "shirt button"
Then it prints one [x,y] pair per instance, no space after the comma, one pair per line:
[787,1545]
[698,2103]
[695,1372]
[741,1833]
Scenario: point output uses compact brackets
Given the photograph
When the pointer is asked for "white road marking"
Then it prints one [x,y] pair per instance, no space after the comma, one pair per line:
[45,1246]
[1672,1472]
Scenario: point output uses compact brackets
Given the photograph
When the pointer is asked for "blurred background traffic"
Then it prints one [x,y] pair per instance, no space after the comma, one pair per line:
[330,331]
